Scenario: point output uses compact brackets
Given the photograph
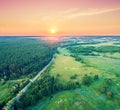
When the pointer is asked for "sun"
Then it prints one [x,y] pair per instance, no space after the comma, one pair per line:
[53,31]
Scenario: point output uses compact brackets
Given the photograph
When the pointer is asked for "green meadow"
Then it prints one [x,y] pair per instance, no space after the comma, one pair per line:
[106,64]
[66,66]
[86,98]
[97,95]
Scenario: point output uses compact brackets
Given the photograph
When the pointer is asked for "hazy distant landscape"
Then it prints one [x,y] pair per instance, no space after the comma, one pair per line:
[71,73]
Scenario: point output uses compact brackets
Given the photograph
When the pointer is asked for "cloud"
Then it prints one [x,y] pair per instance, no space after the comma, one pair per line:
[78,13]
[74,13]
[72,10]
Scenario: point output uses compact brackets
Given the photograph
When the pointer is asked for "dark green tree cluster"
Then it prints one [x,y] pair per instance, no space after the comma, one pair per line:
[82,50]
[89,50]
[74,76]
[23,56]
[110,49]
[87,80]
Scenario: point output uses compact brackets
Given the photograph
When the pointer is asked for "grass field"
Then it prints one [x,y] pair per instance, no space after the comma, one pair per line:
[81,99]
[69,100]
[66,66]
[85,98]
[106,64]
[113,56]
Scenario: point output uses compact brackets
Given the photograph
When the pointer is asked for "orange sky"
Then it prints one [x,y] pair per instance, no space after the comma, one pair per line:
[67,17]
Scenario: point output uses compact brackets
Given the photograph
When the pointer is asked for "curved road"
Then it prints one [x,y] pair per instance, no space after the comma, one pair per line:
[10,104]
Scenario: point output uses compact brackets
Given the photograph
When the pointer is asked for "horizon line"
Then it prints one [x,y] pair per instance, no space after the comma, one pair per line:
[59,36]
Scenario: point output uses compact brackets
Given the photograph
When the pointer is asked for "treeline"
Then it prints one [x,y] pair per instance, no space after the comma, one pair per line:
[88,50]
[23,56]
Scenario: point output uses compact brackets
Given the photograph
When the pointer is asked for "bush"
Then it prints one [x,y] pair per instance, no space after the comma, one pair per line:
[103,89]
[87,80]
[109,94]
[73,76]
[109,82]
[96,77]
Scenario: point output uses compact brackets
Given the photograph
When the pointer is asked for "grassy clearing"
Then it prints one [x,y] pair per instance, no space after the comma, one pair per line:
[66,66]
[82,99]
[85,98]
[107,64]
[113,55]
[68,100]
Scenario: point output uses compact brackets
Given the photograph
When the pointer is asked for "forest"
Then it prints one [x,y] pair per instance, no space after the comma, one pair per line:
[21,57]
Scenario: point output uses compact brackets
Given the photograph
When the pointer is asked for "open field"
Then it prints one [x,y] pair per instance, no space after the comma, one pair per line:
[82,99]
[69,100]
[66,66]
[85,98]
[113,55]
[106,64]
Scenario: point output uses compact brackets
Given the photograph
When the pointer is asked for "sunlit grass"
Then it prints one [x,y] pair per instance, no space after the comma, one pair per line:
[66,66]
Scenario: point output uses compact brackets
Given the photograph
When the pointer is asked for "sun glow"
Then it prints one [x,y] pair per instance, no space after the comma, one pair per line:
[53,31]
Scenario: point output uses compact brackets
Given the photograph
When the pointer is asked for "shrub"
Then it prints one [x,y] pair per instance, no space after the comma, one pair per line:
[109,94]
[87,80]
[73,76]
[96,77]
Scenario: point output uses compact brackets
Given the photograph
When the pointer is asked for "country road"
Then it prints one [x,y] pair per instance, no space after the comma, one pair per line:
[10,103]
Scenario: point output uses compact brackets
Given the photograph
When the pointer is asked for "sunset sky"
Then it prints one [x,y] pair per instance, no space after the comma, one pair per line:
[59,17]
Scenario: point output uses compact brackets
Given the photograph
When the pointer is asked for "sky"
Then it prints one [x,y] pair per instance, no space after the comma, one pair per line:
[64,17]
